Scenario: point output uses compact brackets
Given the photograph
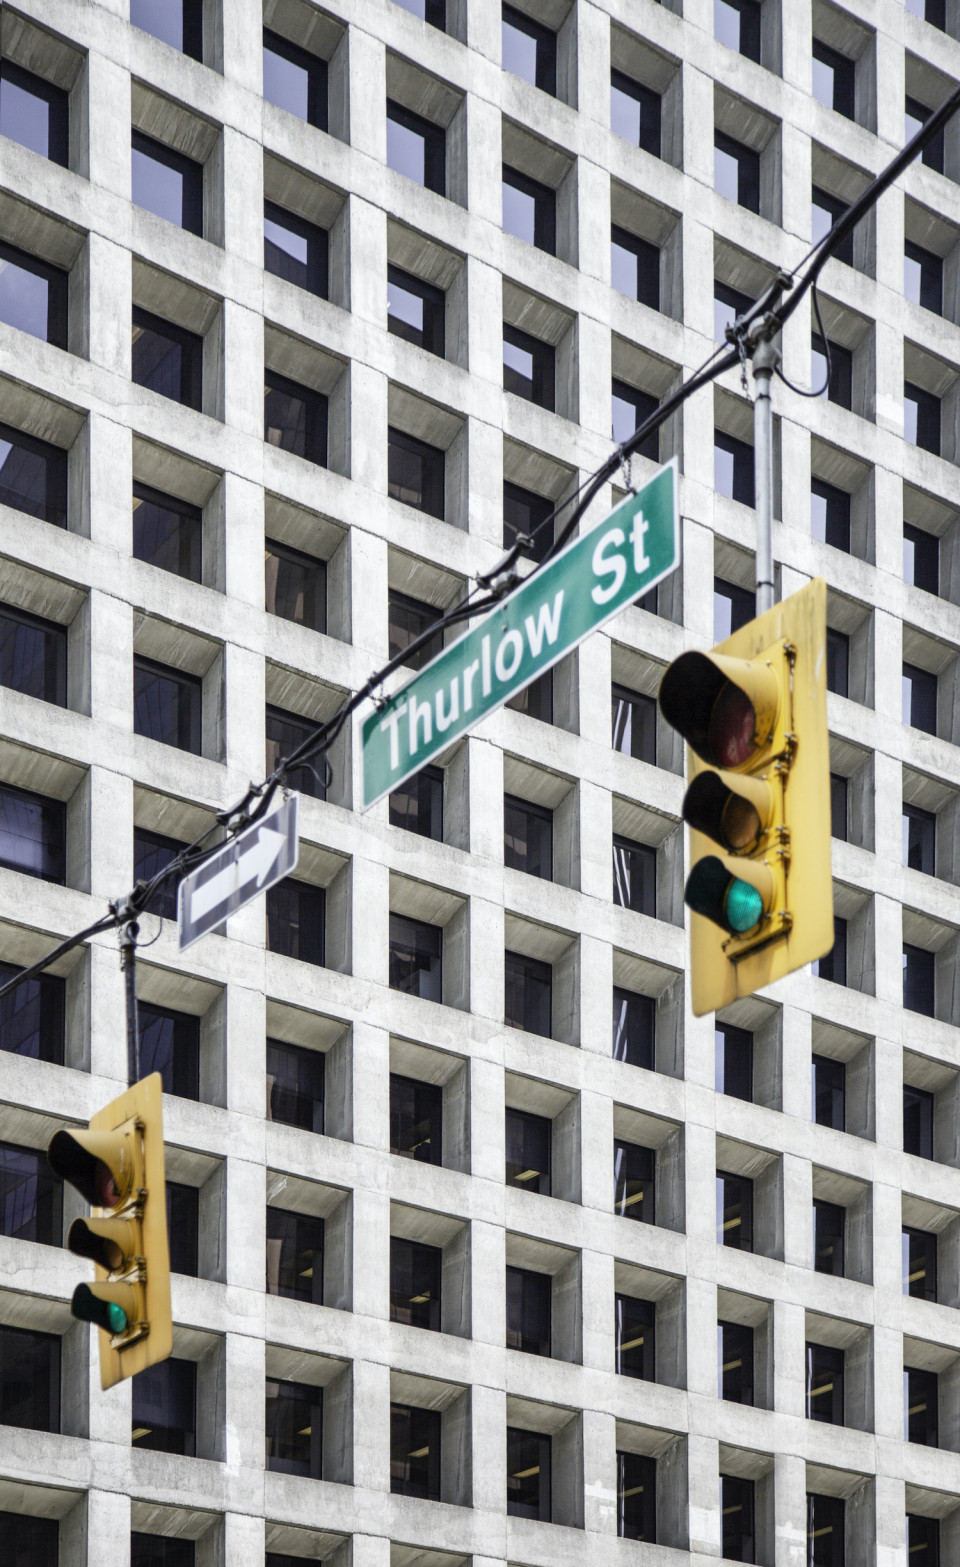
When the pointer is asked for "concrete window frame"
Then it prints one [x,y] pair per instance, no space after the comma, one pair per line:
[451,1235]
[666,1140]
[669,1450]
[663,833]
[57,61]
[285,1363]
[661,73]
[661,227]
[552,167]
[436,101]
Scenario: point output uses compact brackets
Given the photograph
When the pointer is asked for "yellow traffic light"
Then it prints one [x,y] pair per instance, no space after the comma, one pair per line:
[753,713]
[118,1166]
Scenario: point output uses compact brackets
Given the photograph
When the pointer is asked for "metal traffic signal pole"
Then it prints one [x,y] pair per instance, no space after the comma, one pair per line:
[765,361]
[129,931]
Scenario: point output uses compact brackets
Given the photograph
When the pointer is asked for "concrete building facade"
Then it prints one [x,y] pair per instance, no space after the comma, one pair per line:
[452,1331]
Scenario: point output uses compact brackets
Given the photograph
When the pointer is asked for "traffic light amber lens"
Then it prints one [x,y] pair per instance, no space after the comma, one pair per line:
[732,727]
[742,905]
[739,822]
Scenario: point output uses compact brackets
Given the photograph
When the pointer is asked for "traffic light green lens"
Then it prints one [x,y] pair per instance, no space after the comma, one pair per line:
[117,1318]
[743,906]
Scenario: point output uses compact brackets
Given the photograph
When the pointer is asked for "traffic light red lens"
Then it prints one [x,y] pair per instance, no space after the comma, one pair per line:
[106,1187]
[731,728]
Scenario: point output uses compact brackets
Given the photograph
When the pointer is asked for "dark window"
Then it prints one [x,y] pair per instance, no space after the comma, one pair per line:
[30,1542]
[636,1497]
[634,1028]
[838,662]
[634,876]
[416,147]
[170,1045]
[630,407]
[167,359]
[733,1060]
[165,1407]
[31,1196]
[415,1452]
[33,476]
[920,698]
[829,1085]
[178,23]
[825,1531]
[295,418]
[918,1115]
[920,1399]
[33,295]
[416,1119]
[409,618]
[736,23]
[633,1181]
[825,1384]
[33,655]
[296,920]
[527,837]
[826,211]
[283,733]
[294,1428]
[736,1517]
[415,473]
[166,705]
[528,994]
[921,558]
[152,852]
[167,532]
[915,115]
[839,385]
[29,1379]
[921,418]
[829,512]
[736,171]
[932,11]
[416,310]
[919,982]
[529,210]
[528,367]
[418,804]
[919,839]
[733,606]
[167,183]
[294,80]
[34,113]
[923,1535]
[536,699]
[735,1362]
[635,112]
[415,1272]
[634,724]
[828,1227]
[728,303]
[161,1550]
[833,965]
[634,267]
[295,1085]
[529,50]
[33,837]
[295,249]
[527,1144]
[635,1326]
[294,1255]
[838,807]
[733,467]
[183,1229]
[432,11]
[919,1263]
[295,586]
[528,1474]
[734,1196]
[923,277]
[834,79]
[525,513]
[528,1311]
[416,957]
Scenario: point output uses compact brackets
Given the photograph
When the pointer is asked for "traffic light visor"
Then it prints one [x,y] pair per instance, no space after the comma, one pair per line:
[731,809]
[725,708]
[733,894]
[104,1241]
[111,1307]
[98,1164]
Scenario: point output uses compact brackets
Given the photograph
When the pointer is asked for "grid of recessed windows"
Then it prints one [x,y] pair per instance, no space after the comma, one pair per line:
[432,1080]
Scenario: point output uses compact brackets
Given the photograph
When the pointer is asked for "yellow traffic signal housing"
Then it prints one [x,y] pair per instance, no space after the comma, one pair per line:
[118,1166]
[754,714]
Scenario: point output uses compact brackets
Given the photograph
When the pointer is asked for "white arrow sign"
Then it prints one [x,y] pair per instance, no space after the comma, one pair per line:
[244,867]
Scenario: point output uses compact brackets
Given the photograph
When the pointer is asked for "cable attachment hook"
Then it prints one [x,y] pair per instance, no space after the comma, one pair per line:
[626,470]
[737,334]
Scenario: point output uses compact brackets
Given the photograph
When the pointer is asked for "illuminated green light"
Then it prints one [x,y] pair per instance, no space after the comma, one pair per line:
[742,905]
[117,1317]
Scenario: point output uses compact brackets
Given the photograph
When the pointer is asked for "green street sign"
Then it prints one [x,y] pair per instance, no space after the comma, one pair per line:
[580,589]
